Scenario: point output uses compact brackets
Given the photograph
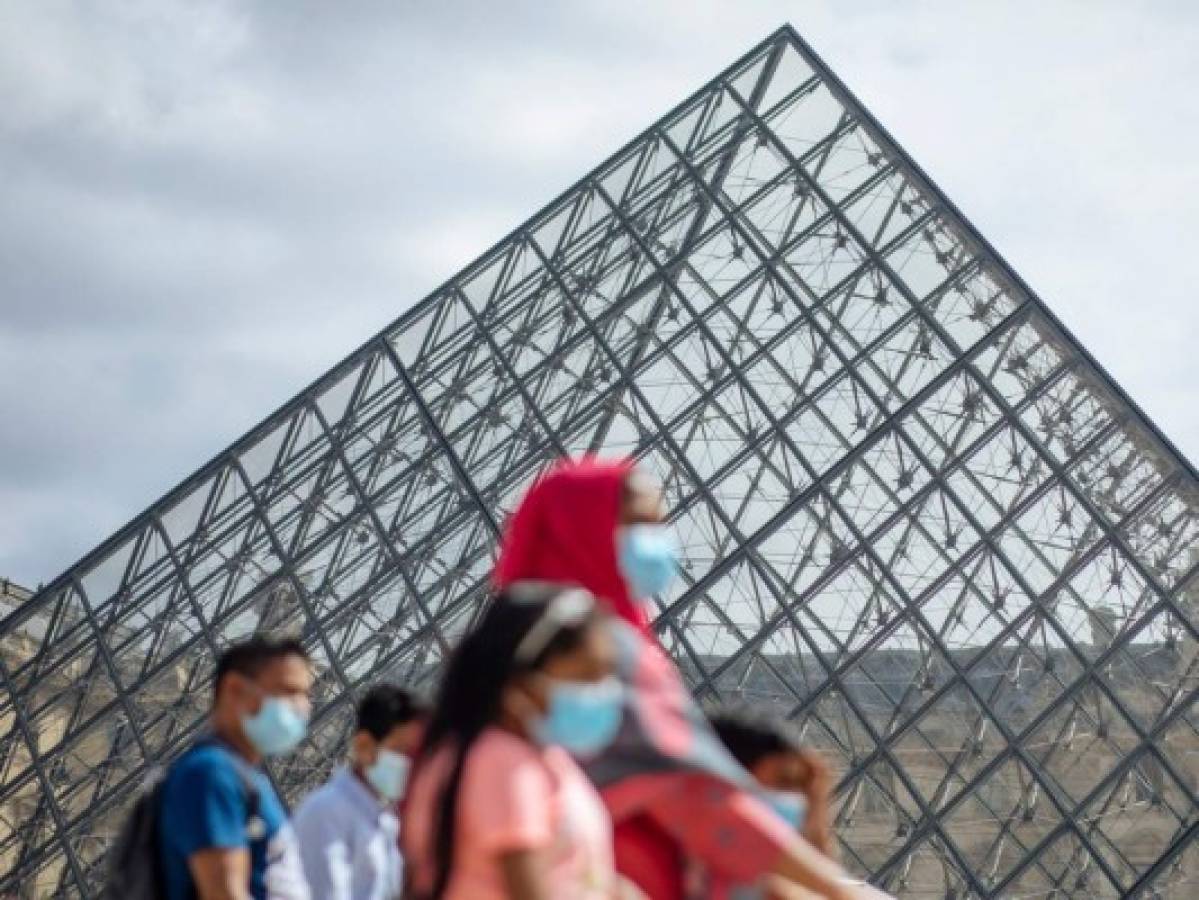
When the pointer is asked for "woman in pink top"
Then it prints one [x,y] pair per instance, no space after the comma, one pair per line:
[497,807]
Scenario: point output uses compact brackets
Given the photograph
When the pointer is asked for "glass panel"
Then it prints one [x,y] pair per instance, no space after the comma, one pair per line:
[914,518]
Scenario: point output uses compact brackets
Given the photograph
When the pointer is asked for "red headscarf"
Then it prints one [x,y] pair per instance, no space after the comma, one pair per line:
[668,782]
[565,530]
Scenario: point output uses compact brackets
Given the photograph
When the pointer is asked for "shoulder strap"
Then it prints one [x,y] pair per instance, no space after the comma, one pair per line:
[249,781]
[245,772]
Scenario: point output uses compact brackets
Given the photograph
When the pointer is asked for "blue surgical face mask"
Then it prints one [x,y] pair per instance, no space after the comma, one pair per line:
[582,717]
[277,728]
[388,774]
[648,559]
[792,808]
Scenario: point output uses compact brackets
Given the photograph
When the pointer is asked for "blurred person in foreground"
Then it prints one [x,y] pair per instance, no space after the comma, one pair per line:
[674,792]
[223,832]
[348,829]
[798,780]
[497,807]
[796,783]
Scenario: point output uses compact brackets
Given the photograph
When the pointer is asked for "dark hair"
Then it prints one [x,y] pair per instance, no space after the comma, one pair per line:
[387,706]
[473,684]
[751,735]
[251,656]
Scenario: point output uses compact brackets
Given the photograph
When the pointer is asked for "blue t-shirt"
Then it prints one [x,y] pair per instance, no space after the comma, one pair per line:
[205,805]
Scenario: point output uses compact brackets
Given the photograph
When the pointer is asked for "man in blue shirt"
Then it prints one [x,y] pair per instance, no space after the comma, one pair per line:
[348,830]
[223,831]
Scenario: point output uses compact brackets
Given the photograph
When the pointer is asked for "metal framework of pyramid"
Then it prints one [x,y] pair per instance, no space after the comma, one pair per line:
[917,517]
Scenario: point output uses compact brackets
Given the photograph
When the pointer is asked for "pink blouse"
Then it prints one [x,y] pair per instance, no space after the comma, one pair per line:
[514,796]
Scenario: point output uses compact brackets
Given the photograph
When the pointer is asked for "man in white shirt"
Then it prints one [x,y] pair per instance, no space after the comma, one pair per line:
[348,830]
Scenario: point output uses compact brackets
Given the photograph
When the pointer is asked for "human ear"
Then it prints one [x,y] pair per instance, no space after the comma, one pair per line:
[363,749]
[523,700]
[242,693]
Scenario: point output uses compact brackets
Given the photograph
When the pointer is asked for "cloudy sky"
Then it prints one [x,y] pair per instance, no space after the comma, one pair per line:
[203,206]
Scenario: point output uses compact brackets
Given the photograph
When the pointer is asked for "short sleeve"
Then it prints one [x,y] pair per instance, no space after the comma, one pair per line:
[508,792]
[205,806]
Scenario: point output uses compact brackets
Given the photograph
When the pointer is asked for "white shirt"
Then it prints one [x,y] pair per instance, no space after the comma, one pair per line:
[349,842]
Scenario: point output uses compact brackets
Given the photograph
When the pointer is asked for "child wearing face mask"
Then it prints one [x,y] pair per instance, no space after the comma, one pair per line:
[497,807]
[795,781]
[348,829]
[672,789]
[797,778]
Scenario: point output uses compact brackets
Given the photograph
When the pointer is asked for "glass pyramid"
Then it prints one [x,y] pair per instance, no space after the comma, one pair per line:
[918,518]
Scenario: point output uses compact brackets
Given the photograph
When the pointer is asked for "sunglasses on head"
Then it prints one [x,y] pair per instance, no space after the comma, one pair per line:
[568,609]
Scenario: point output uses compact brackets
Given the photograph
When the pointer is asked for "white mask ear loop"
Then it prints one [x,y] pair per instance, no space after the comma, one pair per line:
[517,704]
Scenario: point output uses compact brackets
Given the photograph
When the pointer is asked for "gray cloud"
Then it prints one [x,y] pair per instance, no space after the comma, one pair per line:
[206,205]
